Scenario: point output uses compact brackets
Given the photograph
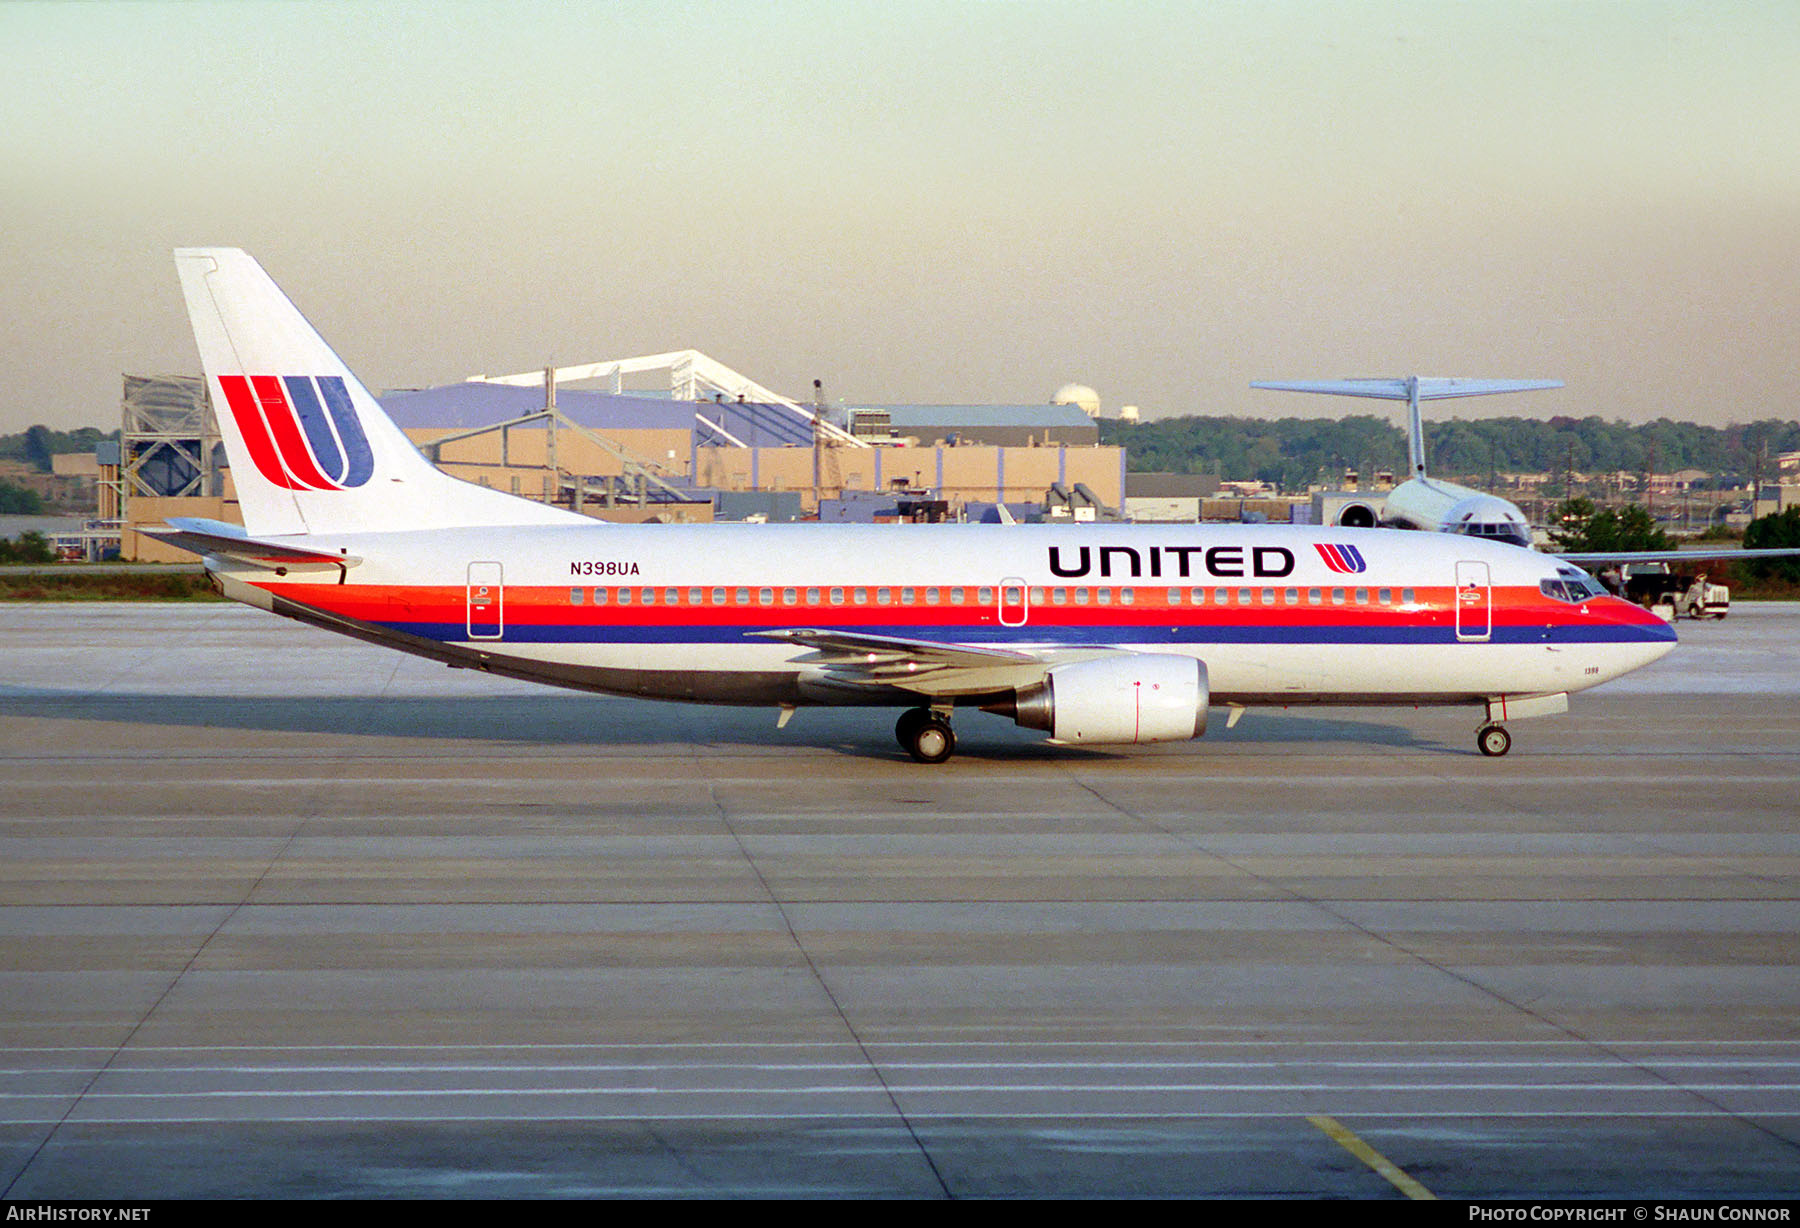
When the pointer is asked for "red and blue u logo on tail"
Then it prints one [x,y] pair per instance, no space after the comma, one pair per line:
[1345,559]
[302,432]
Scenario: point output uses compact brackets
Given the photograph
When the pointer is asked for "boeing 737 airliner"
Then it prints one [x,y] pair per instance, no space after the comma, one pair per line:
[1093,633]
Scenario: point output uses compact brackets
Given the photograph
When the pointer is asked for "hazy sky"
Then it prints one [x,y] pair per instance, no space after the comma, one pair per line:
[955,202]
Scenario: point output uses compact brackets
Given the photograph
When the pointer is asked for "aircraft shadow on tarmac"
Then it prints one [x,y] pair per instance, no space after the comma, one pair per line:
[603,721]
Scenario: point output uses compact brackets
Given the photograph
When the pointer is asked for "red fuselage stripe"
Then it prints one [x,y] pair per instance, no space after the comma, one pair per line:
[551,606]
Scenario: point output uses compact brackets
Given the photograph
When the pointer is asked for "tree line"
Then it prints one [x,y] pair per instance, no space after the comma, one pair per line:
[18,501]
[1296,452]
[35,445]
[31,547]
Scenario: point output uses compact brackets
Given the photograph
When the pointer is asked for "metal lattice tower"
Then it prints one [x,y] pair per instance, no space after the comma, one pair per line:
[169,440]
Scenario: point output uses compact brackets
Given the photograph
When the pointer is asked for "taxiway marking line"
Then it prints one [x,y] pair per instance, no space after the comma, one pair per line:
[1396,1176]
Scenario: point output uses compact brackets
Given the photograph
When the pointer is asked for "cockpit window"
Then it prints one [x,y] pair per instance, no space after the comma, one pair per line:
[1571,586]
[1495,530]
[1576,578]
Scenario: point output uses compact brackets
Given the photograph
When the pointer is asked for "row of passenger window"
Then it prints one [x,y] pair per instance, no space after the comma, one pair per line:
[983,596]
[782,596]
[1292,596]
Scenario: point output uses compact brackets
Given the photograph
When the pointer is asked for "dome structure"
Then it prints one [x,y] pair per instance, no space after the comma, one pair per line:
[1078,394]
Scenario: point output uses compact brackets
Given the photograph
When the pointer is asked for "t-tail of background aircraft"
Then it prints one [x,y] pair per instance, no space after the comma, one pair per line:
[1107,634]
[1425,502]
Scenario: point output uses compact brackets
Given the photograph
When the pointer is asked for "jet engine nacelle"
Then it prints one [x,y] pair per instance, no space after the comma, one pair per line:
[1132,697]
[1357,515]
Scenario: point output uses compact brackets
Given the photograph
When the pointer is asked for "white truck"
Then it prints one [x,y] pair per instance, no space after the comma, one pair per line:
[1702,599]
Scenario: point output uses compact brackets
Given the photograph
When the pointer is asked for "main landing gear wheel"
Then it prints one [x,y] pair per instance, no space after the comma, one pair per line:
[908,722]
[926,736]
[1493,740]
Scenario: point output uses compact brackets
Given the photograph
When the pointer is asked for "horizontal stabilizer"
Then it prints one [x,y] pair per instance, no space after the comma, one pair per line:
[1430,388]
[228,541]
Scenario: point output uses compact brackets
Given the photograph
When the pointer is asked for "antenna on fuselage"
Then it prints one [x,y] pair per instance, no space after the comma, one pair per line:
[1412,389]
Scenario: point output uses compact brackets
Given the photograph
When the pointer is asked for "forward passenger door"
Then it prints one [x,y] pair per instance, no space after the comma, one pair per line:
[1474,603]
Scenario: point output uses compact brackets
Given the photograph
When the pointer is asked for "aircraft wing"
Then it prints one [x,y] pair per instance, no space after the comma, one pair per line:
[229,541]
[922,665]
[1596,558]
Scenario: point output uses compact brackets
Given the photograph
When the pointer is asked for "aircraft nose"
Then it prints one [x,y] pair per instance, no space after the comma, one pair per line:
[1654,626]
[1625,613]
[1638,628]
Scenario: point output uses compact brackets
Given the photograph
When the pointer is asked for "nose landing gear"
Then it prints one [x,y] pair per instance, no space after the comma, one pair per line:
[1493,740]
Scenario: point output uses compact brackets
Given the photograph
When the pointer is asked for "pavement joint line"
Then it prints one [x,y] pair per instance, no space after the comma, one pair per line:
[1396,1176]
[1700,851]
[818,976]
[313,798]
[667,1045]
[1332,907]
[839,1089]
[1758,1065]
[952,1115]
[1469,977]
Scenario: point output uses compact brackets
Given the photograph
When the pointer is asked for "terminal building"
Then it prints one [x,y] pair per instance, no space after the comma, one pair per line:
[714,445]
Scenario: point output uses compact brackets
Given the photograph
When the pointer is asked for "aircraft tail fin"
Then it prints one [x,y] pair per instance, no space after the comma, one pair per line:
[310,449]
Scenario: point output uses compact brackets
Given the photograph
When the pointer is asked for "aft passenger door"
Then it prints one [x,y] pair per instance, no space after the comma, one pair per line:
[1474,603]
[486,602]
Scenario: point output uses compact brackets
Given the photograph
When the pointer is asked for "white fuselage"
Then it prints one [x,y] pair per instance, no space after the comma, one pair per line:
[1276,614]
[1445,507]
